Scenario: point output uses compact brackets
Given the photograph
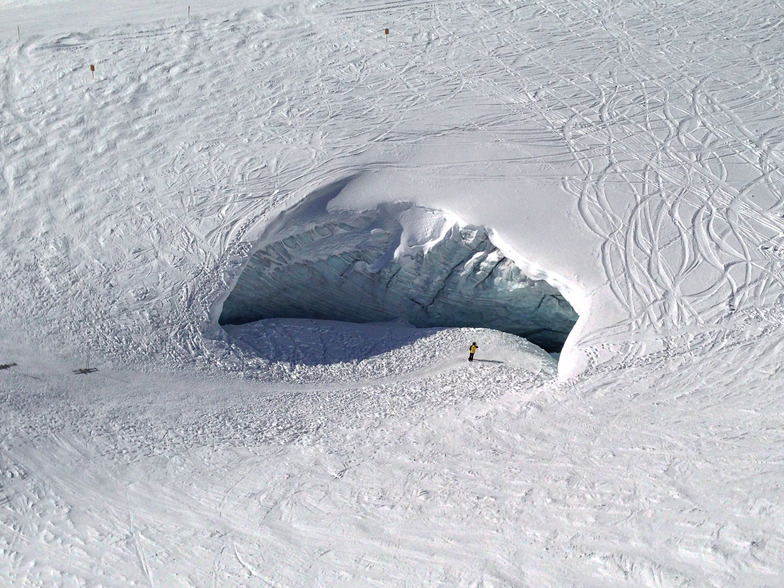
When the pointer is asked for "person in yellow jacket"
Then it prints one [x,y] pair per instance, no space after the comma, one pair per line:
[472,350]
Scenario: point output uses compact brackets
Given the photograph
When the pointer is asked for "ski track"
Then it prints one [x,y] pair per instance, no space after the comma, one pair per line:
[131,199]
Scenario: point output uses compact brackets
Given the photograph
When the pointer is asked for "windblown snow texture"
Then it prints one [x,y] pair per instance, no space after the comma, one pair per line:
[630,153]
[394,262]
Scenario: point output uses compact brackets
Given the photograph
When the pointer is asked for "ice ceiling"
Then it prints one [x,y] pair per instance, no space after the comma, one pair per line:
[397,261]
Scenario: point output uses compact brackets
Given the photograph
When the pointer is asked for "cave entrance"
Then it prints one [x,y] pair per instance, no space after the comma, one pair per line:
[398,261]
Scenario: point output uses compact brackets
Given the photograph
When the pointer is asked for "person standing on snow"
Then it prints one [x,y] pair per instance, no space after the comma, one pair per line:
[472,350]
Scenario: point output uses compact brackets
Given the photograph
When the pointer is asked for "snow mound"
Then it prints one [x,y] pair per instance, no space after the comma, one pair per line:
[396,261]
[317,351]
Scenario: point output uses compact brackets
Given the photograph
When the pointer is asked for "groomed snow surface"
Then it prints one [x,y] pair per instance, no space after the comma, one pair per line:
[627,154]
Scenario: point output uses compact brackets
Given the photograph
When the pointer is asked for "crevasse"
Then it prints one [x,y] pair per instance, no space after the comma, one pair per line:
[397,261]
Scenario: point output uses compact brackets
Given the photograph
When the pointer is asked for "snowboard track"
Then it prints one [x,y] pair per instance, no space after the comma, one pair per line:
[129,198]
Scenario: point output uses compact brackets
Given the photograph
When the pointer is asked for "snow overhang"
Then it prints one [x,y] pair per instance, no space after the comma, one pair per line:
[395,261]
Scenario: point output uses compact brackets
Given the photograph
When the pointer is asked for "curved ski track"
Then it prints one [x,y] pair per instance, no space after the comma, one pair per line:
[681,171]
[131,199]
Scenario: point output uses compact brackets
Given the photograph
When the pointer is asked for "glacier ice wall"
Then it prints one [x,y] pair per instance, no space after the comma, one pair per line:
[398,261]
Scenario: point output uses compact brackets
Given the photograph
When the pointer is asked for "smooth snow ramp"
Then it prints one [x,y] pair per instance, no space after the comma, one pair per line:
[396,261]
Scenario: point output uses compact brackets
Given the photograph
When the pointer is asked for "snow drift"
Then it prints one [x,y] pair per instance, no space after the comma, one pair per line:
[396,261]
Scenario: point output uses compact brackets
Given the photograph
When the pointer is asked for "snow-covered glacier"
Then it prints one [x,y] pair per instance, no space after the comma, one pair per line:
[395,261]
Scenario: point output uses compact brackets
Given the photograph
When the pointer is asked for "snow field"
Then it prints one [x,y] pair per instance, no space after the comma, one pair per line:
[633,150]
[669,152]
[147,463]
[639,476]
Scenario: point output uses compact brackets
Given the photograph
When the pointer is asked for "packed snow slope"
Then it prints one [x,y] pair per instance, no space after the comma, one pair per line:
[628,154]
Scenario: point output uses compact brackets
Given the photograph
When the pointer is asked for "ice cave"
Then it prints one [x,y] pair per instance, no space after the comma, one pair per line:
[397,261]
